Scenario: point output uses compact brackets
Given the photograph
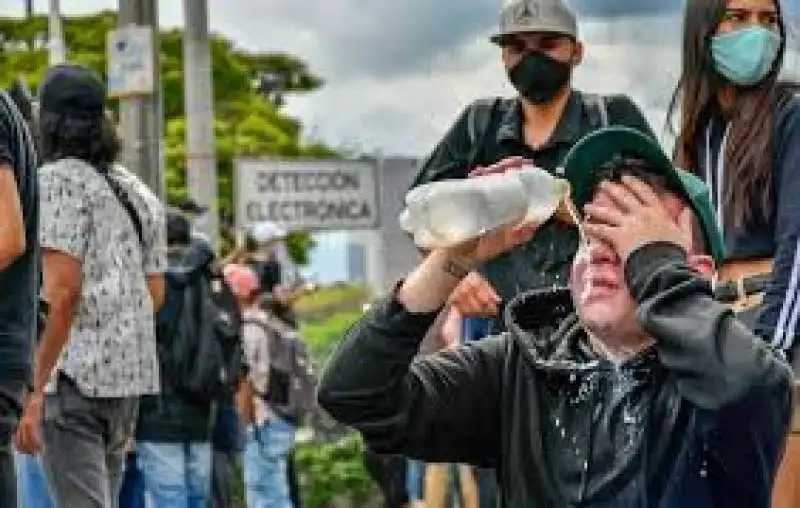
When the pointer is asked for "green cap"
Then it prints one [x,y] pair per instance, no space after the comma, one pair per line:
[603,146]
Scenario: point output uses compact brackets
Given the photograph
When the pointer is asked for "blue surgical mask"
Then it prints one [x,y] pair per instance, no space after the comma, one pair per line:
[745,57]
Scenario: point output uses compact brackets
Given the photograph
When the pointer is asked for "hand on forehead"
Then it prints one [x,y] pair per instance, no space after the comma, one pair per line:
[622,195]
[630,213]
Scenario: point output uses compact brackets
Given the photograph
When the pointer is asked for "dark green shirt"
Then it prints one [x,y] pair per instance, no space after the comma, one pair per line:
[545,260]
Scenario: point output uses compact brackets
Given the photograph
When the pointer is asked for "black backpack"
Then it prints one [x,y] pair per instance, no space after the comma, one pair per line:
[194,332]
[292,384]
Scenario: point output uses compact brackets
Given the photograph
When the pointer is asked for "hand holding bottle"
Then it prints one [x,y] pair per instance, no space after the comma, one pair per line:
[449,213]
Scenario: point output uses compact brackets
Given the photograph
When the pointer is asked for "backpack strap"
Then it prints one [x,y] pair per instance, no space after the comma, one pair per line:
[597,109]
[479,117]
[126,203]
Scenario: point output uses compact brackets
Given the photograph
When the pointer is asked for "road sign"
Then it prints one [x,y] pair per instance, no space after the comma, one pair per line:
[130,61]
[307,195]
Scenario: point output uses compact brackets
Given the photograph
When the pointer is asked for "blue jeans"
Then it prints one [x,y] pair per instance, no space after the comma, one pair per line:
[31,483]
[131,495]
[228,443]
[265,464]
[415,479]
[175,474]
[487,487]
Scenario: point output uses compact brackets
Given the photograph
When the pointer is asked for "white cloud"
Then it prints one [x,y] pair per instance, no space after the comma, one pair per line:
[398,73]
[408,114]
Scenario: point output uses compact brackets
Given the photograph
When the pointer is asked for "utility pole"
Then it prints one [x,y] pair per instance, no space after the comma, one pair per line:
[29,9]
[57,50]
[141,116]
[201,160]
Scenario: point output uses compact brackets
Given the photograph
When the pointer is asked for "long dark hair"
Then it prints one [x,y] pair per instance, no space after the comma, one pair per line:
[92,139]
[749,149]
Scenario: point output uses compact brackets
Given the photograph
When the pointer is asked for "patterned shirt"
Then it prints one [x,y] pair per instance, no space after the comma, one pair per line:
[112,348]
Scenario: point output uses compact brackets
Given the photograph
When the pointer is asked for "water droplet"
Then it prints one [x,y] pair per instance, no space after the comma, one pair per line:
[703,472]
[628,418]
[585,465]
[563,432]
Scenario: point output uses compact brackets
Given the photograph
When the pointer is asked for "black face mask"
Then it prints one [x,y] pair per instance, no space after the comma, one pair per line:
[538,78]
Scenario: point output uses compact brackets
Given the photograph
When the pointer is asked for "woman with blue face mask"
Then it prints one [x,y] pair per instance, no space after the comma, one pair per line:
[740,132]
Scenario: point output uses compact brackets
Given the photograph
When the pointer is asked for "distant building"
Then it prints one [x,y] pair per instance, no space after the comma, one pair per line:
[356,262]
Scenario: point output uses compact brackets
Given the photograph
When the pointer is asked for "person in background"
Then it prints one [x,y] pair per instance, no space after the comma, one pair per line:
[32,489]
[228,434]
[32,483]
[740,133]
[416,469]
[131,493]
[195,214]
[259,248]
[19,268]
[280,305]
[389,473]
[100,225]
[438,485]
[269,436]
[173,434]
[446,484]
[474,329]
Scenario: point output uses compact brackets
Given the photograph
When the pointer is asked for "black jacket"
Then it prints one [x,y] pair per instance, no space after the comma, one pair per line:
[777,237]
[699,421]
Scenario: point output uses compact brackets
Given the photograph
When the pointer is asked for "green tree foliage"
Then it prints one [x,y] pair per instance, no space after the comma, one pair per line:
[247,122]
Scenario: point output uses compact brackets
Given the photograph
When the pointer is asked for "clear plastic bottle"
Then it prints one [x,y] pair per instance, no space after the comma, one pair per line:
[450,212]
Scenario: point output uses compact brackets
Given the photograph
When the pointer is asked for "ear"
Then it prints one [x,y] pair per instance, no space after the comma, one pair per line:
[702,264]
[578,53]
[508,60]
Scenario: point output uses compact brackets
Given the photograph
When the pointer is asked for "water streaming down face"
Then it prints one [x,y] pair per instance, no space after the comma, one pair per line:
[583,251]
[609,391]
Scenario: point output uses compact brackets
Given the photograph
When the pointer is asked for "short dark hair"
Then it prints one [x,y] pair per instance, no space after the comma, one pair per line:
[617,168]
[91,139]
[178,230]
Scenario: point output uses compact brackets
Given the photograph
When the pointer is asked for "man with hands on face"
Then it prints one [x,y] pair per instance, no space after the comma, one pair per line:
[631,388]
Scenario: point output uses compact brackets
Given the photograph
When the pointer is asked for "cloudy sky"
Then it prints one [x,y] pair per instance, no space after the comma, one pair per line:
[398,72]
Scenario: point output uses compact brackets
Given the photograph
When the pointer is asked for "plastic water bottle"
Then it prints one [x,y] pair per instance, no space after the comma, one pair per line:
[450,212]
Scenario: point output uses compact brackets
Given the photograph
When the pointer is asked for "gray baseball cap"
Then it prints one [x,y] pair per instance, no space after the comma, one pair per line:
[524,16]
